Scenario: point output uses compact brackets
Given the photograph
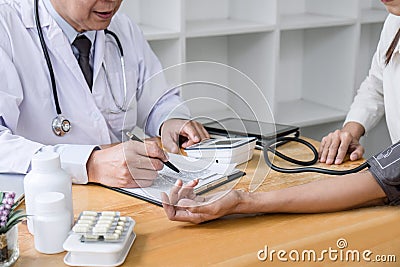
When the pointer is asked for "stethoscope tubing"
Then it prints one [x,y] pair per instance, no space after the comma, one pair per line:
[47,58]
[59,121]
[270,147]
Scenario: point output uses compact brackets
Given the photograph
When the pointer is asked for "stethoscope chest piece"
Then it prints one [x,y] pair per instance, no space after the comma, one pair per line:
[61,125]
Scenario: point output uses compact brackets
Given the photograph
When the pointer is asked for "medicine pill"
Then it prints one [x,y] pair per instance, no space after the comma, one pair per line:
[106,226]
[91,236]
[89,213]
[109,213]
[87,217]
[111,236]
[88,222]
[80,229]
[124,219]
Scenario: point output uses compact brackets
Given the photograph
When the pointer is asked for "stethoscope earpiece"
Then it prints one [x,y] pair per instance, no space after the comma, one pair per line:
[60,125]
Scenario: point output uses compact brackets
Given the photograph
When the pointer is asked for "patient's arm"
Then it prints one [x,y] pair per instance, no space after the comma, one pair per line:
[334,194]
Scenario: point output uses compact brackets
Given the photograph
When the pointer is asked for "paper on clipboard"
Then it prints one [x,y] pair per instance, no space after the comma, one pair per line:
[208,173]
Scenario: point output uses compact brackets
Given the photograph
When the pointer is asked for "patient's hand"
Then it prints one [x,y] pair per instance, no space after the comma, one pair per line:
[184,205]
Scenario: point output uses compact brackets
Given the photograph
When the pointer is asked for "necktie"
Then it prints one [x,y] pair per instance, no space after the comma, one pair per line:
[83,44]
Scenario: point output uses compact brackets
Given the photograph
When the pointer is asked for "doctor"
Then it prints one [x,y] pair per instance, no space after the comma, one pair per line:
[101,100]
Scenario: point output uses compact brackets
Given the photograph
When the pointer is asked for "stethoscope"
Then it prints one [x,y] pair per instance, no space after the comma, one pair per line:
[60,124]
[270,147]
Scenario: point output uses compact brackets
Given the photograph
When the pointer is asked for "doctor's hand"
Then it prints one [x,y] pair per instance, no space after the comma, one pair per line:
[129,164]
[186,132]
[184,205]
[337,144]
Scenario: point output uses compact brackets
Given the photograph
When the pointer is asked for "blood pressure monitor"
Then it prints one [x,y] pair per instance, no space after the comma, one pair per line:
[224,150]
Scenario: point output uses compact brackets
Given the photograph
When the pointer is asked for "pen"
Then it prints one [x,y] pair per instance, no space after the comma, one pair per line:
[167,163]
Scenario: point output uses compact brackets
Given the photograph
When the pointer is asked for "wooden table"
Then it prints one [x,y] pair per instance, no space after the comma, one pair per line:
[237,241]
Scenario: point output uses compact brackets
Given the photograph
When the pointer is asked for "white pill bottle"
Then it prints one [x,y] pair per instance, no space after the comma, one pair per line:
[51,222]
[46,176]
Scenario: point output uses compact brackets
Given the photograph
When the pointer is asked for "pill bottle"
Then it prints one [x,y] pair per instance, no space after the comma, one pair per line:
[46,175]
[51,222]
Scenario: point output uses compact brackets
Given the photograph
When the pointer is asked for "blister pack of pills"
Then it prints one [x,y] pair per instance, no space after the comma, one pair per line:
[99,239]
[106,226]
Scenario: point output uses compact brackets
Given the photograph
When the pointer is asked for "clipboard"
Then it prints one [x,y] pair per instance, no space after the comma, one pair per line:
[198,191]
[209,178]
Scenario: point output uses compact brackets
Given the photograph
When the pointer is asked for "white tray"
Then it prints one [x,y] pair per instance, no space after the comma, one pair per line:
[97,253]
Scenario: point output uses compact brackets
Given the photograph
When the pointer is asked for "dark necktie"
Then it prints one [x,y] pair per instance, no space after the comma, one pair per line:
[83,44]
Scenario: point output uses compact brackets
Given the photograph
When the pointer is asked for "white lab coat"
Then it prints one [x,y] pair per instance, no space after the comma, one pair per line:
[26,100]
[380,91]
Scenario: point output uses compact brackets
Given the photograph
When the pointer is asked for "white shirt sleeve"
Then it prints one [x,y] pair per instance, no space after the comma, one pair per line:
[17,152]
[368,105]
[73,160]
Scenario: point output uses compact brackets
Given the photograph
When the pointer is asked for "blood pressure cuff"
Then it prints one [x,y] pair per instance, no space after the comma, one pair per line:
[385,167]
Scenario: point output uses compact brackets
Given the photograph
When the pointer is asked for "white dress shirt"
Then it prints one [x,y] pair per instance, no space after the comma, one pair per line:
[26,100]
[379,93]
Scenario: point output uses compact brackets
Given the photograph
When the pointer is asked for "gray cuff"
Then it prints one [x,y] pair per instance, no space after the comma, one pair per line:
[385,167]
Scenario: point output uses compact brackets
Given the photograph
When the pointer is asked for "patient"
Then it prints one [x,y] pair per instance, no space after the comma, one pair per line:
[377,186]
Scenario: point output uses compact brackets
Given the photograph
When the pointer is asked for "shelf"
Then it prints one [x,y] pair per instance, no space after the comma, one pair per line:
[307,57]
[310,20]
[373,15]
[306,113]
[215,27]
[155,33]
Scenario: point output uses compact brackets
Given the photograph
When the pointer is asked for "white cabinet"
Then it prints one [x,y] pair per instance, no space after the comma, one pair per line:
[307,57]
[227,17]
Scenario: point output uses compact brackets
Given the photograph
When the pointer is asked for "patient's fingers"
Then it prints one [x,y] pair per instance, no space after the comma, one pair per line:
[168,208]
[174,194]
[187,190]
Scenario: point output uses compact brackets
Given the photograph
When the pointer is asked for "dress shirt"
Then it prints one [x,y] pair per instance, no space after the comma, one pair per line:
[379,93]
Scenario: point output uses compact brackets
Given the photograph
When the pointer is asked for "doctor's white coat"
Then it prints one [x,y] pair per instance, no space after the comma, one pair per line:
[27,106]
